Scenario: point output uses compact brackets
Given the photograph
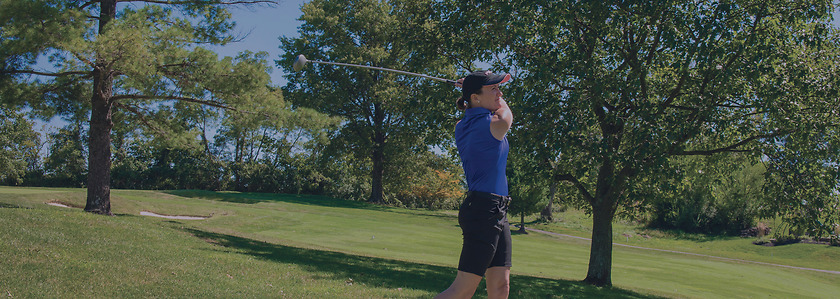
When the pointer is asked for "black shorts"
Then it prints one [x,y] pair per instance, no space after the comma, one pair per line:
[483,220]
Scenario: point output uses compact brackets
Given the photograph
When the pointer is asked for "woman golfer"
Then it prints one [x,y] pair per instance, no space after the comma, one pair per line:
[483,148]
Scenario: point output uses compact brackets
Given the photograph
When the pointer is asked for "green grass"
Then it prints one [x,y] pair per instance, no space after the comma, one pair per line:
[576,223]
[257,245]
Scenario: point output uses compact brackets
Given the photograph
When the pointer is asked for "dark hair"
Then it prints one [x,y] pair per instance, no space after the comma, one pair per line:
[473,83]
[464,102]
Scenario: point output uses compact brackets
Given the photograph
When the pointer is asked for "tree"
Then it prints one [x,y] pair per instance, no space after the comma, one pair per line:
[624,86]
[266,156]
[528,185]
[802,184]
[382,113]
[65,164]
[19,146]
[143,60]
[426,180]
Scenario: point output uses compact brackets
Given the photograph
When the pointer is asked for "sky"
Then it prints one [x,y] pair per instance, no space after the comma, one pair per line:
[263,26]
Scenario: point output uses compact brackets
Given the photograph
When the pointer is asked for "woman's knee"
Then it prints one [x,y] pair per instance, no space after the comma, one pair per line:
[499,285]
[498,281]
[501,290]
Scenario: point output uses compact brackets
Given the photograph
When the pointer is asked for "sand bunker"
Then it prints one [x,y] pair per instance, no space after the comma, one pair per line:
[58,204]
[143,213]
[147,213]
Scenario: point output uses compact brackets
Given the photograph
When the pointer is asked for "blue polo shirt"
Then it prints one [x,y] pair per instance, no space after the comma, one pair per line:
[483,156]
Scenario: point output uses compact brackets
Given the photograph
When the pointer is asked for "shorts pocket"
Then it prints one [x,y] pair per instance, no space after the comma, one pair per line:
[481,221]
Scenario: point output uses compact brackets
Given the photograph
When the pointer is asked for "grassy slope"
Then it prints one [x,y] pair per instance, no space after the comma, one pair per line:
[312,246]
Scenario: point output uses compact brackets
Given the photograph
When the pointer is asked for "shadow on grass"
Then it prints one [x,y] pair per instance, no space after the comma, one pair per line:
[9,206]
[313,200]
[517,224]
[380,272]
[695,237]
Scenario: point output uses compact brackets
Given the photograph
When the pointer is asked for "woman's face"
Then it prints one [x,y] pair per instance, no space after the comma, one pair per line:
[489,98]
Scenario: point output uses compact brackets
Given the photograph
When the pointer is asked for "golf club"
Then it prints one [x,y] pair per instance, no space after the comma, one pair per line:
[301,61]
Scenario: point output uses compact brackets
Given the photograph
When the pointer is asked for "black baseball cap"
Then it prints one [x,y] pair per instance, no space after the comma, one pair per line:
[475,81]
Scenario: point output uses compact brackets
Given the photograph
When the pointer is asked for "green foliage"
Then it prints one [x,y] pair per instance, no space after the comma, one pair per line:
[19,145]
[247,153]
[347,176]
[277,155]
[803,193]
[165,168]
[528,186]
[382,113]
[67,160]
[426,180]
[714,195]
[785,239]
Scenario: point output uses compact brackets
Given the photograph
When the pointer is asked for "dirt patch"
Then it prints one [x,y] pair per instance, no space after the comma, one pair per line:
[177,217]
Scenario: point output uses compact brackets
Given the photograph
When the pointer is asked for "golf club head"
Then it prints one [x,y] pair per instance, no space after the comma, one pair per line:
[300,62]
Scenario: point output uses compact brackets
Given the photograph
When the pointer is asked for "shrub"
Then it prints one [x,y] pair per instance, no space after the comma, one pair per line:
[711,197]
[763,240]
[784,239]
[436,190]
[701,212]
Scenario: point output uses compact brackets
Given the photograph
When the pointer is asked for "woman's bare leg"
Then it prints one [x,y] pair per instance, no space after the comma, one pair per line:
[498,282]
[463,287]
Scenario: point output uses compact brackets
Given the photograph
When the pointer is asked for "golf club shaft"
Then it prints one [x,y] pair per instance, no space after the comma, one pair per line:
[385,69]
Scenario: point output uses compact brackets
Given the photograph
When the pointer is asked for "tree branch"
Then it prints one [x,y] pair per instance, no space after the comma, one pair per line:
[731,148]
[87,4]
[82,59]
[142,117]
[192,100]
[562,87]
[34,72]
[569,178]
[683,108]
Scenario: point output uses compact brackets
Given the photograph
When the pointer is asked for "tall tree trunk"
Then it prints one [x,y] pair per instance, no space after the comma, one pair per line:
[239,148]
[610,187]
[377,156]
[600,253]
[80,178]
[376,190]
[99,146]
[204,141]
[545,214]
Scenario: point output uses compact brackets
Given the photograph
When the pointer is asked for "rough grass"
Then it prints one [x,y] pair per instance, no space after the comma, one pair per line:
[257,245]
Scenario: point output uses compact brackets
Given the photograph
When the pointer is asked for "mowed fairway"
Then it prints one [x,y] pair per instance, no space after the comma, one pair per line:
[267,245]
